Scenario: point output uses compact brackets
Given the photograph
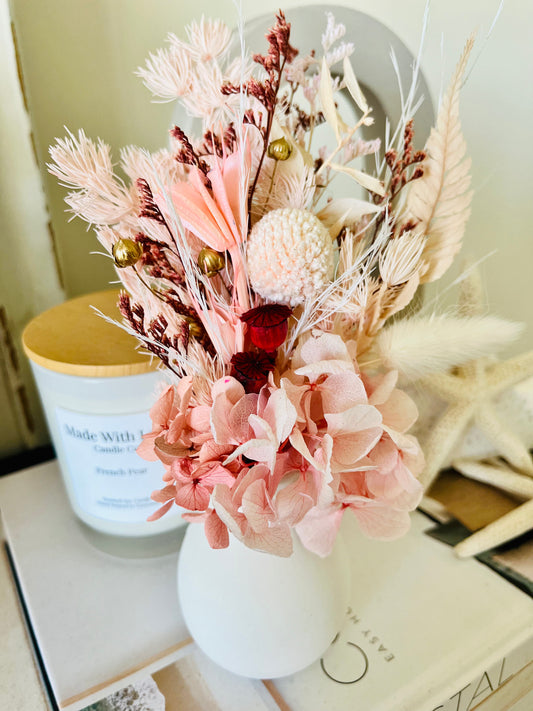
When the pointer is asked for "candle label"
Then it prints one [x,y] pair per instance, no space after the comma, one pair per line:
[109,478]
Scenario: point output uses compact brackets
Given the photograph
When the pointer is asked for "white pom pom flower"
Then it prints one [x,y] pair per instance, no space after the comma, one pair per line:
[290,256]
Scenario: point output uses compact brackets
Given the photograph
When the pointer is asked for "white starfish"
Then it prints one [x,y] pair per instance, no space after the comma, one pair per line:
[470,395]
[507,527]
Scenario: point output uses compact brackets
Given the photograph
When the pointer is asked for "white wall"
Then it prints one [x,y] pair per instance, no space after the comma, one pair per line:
[78,59]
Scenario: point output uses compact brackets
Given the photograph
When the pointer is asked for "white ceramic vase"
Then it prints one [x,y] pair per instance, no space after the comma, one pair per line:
[258,615]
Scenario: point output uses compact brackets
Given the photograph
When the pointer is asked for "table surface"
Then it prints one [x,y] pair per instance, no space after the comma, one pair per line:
[20,685]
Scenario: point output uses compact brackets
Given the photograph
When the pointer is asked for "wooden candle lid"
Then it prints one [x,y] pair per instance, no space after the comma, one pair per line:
[72,339]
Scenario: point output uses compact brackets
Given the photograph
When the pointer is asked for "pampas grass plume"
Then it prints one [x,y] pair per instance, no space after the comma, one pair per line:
[419,346]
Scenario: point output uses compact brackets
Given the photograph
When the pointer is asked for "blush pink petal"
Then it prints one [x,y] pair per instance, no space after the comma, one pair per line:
[294,500]
[214,473]
[162,408]
[160,512]
[319,528]
[216,532]
[280,414]
[380,387]
[227,510]
[199,418]
[393,489]
[342,391]
[201,218]
[255,473]
[399,411]
[277,540]
[162,495]
[194,497]
[146,448]
[210,450]
[326,348]
[257,506]
[378,520]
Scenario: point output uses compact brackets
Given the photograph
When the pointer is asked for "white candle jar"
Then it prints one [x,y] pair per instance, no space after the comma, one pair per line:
[96,389]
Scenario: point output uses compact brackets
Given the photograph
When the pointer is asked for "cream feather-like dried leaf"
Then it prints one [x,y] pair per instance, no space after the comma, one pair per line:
[440,200]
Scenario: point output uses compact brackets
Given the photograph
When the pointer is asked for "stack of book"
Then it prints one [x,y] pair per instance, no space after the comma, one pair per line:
[424,630]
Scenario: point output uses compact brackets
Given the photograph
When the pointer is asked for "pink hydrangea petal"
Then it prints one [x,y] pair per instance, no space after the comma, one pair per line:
[280,414]
[161,409]
[199,418]
[238,417]
[216,532]
[378,520]
[358,418]
[257,506]
[194,497]
[277,540]
[399,411]
[380,387]
[342,391]
[348,450]
[214,474]
[160,512]
[162,495]
[294,500]
[146,449]
[211,450]
[255,473]
[181,469]
[320,349]
[384,456]
[319,528]
[230,388]
[227,510]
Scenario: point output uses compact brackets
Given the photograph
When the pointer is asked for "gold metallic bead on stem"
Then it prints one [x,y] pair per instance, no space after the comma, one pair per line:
[280,149]
[126,252]
[195,328]
[210,262]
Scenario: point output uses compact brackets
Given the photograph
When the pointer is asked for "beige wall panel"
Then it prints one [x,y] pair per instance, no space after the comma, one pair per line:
[29,279]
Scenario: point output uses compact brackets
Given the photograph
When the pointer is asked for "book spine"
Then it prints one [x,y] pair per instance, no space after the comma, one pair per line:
[471,696]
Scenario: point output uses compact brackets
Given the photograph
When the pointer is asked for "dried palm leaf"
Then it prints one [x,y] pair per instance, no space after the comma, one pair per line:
[440,200]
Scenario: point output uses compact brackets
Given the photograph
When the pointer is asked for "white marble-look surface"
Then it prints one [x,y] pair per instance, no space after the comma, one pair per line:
[20,686]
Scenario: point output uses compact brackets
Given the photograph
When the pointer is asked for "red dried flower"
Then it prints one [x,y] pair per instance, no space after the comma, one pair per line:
[251,369]
[267,325]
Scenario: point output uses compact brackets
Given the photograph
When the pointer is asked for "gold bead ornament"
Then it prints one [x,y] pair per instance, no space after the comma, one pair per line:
[280,149]
[196,329]
[210,262]
[126,252]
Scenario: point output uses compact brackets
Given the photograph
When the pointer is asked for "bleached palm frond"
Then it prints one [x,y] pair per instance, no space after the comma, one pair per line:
[419,346]
[440,199]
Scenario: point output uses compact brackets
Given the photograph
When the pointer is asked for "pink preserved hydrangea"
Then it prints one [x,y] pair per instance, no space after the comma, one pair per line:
[319,439]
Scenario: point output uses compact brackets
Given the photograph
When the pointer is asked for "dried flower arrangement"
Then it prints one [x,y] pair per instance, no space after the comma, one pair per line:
[263,295]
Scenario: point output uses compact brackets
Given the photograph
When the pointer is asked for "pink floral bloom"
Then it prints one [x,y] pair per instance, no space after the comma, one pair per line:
[230,411]
[180,427]
[168,419]
[332,399]
[398,457]
[316,441]
[271,426]
[249,513]
[191,484]
[319,528]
